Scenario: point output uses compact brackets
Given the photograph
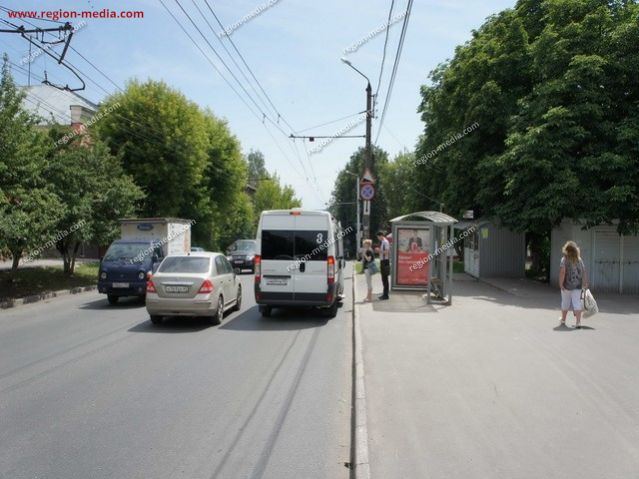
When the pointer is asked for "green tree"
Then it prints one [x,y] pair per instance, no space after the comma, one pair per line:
[256,167]
[28,206]
[403,194]
[94,191]
[342,204]
[271,195]
[162,139]
[185,159]
[552,85]
[225,180]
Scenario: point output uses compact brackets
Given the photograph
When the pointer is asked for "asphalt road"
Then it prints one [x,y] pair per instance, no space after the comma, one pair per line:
[90,391]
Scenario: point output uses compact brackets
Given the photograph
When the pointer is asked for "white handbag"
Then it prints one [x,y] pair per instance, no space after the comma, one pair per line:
[590,305]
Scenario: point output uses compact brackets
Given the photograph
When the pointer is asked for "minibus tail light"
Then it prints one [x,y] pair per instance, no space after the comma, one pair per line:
[330,262]
[258,269]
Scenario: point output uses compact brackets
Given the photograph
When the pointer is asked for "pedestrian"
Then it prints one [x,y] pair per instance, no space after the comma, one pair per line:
[384,263]
[572,279]
[368,262]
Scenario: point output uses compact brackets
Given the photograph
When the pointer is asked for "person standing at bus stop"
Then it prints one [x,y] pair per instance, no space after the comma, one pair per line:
[384,256]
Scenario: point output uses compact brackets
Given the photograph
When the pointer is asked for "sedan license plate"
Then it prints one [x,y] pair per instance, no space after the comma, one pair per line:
[120,285]
[238,261]
[177,289]
[276,282]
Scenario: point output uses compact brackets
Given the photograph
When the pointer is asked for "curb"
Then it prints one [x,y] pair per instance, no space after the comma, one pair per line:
[35,298]
[361,465]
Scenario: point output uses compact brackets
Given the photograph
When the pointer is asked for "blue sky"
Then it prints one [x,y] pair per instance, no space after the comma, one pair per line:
[294,49]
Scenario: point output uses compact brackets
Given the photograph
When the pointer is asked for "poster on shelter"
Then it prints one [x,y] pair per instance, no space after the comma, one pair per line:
[413,247]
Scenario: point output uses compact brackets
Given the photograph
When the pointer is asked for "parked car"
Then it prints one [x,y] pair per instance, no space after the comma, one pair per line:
[197,249]
[199,284]
[299,261]
[241,254]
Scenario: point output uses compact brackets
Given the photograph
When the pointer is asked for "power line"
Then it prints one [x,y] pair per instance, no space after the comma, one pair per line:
[221,59]
[42,19]
[330,122]
[398,55]
[264,115]
[279,115]
[381,70]
[228,53]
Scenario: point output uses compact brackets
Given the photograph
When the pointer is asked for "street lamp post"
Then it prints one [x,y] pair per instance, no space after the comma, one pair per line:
[368,159]
[358,233]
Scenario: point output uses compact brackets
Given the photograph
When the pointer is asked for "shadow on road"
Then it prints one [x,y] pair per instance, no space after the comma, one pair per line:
[124,303]
[281,320]
[248,320]
[563,327]
[188,324]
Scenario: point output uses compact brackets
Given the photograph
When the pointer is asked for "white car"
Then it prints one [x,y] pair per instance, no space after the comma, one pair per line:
[199,284]
[299,261]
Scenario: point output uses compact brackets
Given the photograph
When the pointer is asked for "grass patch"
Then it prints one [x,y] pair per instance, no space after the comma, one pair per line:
[29,281]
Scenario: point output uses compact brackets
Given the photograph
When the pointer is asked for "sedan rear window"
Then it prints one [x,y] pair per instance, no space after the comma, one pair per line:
[181,264]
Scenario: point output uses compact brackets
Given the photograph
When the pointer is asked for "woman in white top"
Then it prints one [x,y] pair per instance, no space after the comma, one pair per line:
[368,258]
[572,279]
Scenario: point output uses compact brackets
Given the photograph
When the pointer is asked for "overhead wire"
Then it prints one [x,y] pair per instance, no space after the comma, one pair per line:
[330,122]
[398,55]
[229,53]
[6,9]
[381,70]
[257,82]
[264,117]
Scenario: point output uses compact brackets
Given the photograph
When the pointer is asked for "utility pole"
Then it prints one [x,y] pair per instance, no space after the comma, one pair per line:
[368,154]
[368,162]
[30,59]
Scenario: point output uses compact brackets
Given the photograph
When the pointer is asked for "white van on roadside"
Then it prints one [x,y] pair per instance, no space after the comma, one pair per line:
[299,261]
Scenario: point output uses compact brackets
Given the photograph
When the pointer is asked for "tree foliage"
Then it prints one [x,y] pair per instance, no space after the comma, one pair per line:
[343,197]
[28,206]
[185,159]
[553,87]
[94,192]
[271,195]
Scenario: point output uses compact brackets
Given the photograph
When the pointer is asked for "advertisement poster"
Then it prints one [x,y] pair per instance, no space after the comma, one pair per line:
[413,247]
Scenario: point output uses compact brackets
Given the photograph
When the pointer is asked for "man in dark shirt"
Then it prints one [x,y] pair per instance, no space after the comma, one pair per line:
[384,256]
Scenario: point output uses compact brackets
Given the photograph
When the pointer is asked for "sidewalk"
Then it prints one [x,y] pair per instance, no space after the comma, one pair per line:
[488,388]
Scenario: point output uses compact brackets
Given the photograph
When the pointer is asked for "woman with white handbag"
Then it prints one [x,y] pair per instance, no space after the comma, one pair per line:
[573,278]
[370,268]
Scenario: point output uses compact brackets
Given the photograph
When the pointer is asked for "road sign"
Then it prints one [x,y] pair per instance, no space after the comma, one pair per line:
[367,177]
[367,191]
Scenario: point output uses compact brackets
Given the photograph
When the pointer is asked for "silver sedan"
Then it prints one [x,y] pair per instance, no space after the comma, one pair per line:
[199,284]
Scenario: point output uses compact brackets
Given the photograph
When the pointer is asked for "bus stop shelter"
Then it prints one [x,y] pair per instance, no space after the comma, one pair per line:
[422,254]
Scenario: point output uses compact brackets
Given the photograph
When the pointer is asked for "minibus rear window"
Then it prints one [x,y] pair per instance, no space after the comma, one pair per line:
[311,245]
[277,244]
